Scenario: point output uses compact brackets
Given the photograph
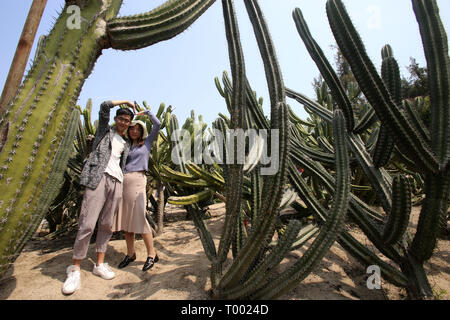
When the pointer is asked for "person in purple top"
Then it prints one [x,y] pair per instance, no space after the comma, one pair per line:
[131,213]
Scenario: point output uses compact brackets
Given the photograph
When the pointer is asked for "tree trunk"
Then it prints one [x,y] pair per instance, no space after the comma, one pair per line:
[23,49]
[160,212]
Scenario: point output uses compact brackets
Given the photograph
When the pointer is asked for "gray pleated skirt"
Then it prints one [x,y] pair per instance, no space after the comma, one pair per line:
[130,215]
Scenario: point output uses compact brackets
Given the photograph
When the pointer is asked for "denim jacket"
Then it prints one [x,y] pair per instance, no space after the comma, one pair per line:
[101,150]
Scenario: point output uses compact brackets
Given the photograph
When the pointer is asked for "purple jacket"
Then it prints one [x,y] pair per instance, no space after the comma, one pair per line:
[138,156]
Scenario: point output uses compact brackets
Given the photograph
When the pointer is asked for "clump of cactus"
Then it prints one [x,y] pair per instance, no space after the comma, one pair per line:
[400,129]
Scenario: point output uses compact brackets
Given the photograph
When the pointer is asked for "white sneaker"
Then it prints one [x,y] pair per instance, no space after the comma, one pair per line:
[73,281]
[104,271]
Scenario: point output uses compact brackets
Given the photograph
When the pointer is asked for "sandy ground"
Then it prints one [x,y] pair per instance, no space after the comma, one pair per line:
[183,270]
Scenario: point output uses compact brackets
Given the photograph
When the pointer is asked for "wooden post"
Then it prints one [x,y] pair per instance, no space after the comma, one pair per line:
[23,49]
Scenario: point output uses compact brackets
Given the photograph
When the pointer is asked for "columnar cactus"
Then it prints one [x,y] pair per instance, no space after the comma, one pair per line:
[33,124]
[411,137]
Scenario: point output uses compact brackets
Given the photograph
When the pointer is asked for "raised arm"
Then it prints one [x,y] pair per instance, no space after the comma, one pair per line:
[120,102]
[156,124]
[103,121]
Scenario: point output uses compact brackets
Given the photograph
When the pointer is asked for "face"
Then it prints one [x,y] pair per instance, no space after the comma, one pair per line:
[135,132]
[122,122]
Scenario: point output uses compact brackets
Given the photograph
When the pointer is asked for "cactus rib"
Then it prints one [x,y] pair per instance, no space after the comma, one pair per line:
[398,218]
[325,68]
[162,23]
[435,45]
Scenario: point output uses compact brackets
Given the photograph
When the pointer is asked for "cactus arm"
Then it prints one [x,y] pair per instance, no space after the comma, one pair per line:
[205,235]
[390,74]
[398,217]
[295,119]
[383,147]
[435,45]
[329,231]
[325,145]
[272,69]
[325,68]
[379,178]
[365,121]
[87,118]
[368,220]
[191,199]
[432,215]
[358,150]
[370,142]
[411,111]
[305,234]
[252,103]
[176,175]
[319,109]
[11,249]
[256,195]
[260,275]
[203,174]
[367,257]
[235,178]
[306,194]
[373,88]
[272,186]
[162,23]
[219,88]
[315,154]
[255,108]
[240,234]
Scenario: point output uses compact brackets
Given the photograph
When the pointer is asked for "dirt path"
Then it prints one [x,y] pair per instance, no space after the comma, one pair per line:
[183,270]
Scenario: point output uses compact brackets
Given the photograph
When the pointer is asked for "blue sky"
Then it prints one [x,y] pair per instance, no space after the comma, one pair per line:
[180,72]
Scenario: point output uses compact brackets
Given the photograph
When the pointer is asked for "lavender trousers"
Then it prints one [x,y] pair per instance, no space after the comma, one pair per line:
[98,204]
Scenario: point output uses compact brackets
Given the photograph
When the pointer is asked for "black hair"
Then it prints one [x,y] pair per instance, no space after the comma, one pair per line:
[125,111]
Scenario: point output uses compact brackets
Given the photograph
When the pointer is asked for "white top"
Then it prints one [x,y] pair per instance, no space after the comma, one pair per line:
[113,167]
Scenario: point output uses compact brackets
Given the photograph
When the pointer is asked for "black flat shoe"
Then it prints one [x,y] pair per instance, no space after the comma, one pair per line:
[150,262]
[126,261]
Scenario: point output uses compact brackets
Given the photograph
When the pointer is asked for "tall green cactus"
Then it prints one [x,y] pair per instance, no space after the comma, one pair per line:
[33,124]
[430,151]
[255,257]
